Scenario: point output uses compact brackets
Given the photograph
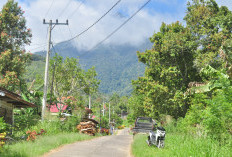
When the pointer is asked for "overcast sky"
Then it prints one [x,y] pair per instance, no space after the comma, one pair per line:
[83,13]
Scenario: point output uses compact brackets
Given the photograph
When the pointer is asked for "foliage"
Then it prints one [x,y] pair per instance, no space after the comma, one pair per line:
[3,125]
[117,119]
[14,36]
[169,71]
[25,118]
[70,124]
[69,79]
[104,122]
[181,145]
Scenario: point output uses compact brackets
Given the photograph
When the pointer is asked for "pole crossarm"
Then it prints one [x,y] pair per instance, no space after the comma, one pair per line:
[55,23]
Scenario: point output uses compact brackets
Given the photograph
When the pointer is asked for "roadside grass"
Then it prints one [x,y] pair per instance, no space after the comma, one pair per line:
[179,145]
[42,145]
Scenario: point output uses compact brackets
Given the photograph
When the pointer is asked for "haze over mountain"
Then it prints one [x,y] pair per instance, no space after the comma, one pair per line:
[116,65]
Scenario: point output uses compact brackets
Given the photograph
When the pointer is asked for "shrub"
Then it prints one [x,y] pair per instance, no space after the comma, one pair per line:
[3,125]
[25,118]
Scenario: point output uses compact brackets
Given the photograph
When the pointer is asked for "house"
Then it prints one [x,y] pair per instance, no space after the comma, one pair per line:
[9,101]
[54,108]
[62,107]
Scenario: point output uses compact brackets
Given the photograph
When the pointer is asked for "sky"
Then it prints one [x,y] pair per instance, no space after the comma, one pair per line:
[83,13]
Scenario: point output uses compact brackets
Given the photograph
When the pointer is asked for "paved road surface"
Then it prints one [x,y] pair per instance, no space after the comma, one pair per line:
[107,146]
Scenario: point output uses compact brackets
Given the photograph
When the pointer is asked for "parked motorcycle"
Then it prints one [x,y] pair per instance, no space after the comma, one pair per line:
[157,138]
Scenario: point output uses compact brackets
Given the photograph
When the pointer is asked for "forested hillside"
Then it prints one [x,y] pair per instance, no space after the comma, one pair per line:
[116,65]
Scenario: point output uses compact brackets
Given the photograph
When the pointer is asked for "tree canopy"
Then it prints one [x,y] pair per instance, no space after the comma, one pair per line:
[14,36]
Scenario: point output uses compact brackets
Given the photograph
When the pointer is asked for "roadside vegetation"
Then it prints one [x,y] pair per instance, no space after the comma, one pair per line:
[69,85]
[180,143]
[42,144]
[188,78]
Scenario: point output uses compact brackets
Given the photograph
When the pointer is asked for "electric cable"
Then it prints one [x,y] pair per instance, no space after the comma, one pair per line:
[73,13]
[49,9]
[61,13]
[118,28]
[92,24]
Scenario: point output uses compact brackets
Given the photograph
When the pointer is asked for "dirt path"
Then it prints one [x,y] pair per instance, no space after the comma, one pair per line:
[107,146]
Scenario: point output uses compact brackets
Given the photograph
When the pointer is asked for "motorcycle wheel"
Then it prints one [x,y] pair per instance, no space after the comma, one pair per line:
[161,144]
[148,141]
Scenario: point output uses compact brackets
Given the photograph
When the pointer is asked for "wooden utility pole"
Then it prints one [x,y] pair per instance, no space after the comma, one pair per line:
[51,26]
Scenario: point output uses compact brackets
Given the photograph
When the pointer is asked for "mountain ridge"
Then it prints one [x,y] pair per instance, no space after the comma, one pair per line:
[116,65]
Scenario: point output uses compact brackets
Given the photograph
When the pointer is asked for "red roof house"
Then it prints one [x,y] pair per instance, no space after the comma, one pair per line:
[54,108]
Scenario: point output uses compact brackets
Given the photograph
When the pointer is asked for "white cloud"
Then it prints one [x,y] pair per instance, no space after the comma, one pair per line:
[140,27]
[227,3]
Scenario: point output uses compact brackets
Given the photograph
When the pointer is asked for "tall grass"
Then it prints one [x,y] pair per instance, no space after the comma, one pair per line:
[42,145]
[181,145]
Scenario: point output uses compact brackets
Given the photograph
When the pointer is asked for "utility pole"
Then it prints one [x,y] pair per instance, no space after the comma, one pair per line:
[100,116]
[109,113]
[51,26]
[103,109]
[89,104]
[89,101]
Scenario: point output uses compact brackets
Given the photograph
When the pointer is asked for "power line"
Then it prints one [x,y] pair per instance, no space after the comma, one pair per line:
[71,37]
[61,13]
[118,28]
[49,9]
[92,24]
[73,13]
[38,47]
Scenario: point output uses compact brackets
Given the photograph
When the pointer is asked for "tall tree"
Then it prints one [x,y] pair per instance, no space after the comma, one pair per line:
[14,36]
[169,70]
[211,26]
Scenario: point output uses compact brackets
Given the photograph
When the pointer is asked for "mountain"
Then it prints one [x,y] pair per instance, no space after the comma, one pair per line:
[116,65]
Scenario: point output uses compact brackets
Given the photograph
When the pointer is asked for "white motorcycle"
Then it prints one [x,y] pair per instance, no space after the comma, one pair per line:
[157,138]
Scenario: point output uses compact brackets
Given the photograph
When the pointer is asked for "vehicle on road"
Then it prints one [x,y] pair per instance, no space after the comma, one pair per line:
[156,138]
[144,125]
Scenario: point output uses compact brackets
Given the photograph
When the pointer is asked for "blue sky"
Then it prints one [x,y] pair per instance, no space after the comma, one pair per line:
[139,29]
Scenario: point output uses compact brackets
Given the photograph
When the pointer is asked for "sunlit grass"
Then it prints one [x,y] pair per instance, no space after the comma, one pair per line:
[179,145]
[42,145]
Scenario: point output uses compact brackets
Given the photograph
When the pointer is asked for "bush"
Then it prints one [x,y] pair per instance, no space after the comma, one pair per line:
[3,125]
[211,115]
[70,124]
[25,118]
[104,122]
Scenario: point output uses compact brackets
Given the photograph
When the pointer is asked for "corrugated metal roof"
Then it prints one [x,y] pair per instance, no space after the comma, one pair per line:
[14,98]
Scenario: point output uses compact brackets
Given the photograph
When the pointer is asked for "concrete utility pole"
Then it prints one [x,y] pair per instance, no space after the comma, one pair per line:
[109,112]
[103,108]
[51,26]
[100,116]
[89,101]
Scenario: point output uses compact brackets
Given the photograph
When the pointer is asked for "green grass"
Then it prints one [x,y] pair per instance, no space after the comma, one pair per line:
[42,145]
[179,145]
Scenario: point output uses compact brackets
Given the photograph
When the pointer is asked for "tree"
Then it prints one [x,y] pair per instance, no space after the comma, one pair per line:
[91,83]
[69,79]
[180,53]
[211,26]
[169,71]
[14,36]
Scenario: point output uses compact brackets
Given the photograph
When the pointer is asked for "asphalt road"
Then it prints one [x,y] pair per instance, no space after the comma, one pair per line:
[106,146]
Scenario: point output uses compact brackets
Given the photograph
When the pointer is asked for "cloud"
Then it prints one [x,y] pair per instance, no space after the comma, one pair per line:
[227,3]
[86,12]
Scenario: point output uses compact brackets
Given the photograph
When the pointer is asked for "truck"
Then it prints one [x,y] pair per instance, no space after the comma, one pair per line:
[144,125]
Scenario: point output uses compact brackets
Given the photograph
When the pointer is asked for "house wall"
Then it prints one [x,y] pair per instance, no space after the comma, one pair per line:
[6,111]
